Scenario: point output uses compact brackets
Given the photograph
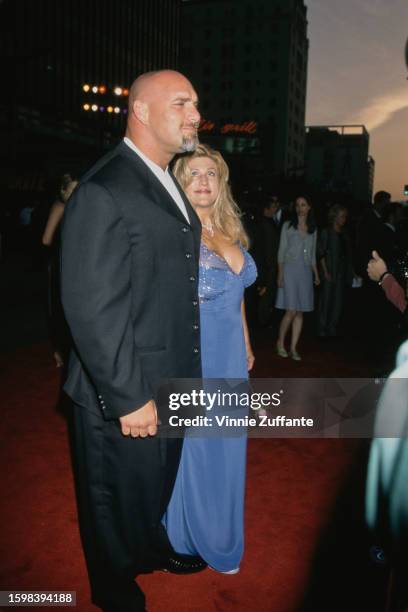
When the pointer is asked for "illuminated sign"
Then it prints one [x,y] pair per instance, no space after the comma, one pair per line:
[248,127]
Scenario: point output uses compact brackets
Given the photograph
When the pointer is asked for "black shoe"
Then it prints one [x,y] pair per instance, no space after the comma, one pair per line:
[183,564]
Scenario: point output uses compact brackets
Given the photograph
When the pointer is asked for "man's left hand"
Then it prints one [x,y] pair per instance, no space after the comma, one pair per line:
[140,423]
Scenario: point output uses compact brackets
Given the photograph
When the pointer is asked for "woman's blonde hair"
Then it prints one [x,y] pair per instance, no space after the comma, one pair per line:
[226,213]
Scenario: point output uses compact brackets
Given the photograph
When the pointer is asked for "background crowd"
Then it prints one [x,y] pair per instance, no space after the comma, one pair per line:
[334,288]
[346,301]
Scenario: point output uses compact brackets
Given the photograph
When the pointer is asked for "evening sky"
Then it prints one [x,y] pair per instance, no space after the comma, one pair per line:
[357,74]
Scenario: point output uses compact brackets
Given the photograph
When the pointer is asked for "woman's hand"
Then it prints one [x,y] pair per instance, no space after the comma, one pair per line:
[250,358]
[316,280]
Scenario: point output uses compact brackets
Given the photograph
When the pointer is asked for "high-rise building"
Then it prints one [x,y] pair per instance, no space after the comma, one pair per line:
[338,160]
[66,66]
[248,61]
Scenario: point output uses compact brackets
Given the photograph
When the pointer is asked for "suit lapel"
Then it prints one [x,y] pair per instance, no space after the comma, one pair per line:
[195,222]
[158,192]
[161,196]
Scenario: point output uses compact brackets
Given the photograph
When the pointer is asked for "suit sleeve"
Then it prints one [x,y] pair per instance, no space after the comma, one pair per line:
[96,296]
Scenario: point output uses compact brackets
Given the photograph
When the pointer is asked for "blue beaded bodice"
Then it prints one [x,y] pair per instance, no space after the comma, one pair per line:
[218,282]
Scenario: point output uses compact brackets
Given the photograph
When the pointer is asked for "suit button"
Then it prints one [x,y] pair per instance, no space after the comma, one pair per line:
[188,255]
[195,303]
[192,279]
[196,350]
[196,327]
[184,229]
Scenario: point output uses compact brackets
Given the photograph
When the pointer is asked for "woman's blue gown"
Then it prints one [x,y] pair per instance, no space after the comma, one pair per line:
[205,515]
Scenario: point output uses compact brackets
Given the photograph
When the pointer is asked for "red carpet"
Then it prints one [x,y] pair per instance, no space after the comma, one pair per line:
[291,490]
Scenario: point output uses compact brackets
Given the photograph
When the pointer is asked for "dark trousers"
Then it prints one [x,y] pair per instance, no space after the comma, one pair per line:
[330,306]
[380,323]
[123,488]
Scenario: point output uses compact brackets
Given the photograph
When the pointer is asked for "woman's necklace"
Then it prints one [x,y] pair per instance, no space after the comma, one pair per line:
[208,228]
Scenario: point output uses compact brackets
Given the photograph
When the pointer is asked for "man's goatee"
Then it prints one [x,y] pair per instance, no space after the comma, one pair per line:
[189,144]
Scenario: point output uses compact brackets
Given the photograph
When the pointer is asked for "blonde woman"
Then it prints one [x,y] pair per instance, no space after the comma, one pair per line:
[205,514]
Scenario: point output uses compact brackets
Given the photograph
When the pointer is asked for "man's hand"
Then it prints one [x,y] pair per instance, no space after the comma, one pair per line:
[376,267]
[140,423]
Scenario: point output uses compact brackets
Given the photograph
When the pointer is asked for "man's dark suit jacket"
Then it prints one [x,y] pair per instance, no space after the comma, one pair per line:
[129,286]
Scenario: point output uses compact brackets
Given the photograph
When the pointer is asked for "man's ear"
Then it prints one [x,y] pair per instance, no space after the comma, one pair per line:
[141,111]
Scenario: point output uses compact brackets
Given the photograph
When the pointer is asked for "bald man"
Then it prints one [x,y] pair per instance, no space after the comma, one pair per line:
[130,249]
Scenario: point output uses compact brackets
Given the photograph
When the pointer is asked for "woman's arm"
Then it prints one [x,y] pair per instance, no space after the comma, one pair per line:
[54,219]
[248,347]
[326,272]
[283,242]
